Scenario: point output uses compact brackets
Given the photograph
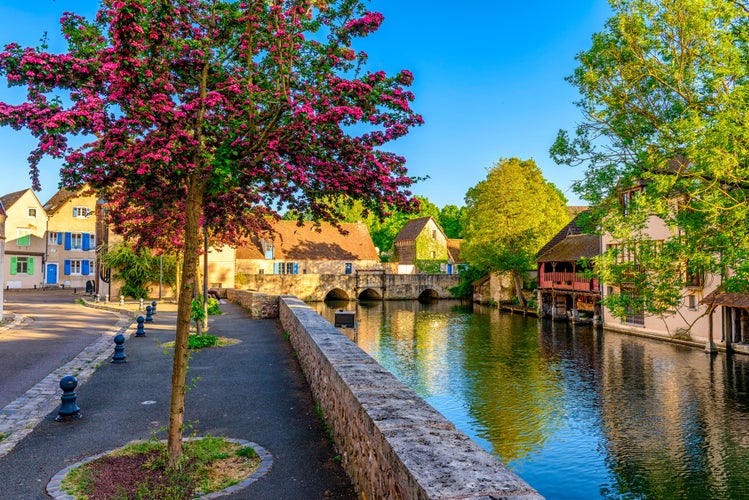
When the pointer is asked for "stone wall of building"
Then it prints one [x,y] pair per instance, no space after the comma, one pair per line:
[393,444]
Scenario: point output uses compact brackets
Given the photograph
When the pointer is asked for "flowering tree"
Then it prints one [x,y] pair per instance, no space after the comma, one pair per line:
[207,116]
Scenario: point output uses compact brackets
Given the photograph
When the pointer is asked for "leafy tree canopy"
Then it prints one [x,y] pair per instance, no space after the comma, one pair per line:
[509,216]
[664,102]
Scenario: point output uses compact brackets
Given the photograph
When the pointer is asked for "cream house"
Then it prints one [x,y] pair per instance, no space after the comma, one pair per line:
[2,256]
[25,246]
[71,238]
[691,315]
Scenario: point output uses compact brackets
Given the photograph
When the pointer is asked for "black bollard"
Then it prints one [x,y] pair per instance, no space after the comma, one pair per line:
[149,312]
[140,332]
[68,410]
[119,349]
[153,307]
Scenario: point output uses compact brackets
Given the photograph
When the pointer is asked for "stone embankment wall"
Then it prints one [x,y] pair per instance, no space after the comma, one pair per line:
[259,305]
[393,444]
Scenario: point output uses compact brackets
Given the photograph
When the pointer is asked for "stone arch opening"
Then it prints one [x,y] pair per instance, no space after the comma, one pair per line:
[336,294]
[429,295]
[369,294]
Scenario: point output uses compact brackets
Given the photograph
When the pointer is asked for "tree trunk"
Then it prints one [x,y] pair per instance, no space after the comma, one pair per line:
[184,309]
[518,288]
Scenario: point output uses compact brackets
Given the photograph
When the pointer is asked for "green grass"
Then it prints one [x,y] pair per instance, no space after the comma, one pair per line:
[201,341]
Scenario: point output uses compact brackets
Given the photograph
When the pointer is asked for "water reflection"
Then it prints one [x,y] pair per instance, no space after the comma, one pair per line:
[577,413]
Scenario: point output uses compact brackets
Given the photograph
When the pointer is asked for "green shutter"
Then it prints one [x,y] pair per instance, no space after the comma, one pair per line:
[31,266]
[13,265]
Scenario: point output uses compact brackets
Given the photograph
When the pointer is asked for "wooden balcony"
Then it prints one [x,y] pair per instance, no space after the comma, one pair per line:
[567,281]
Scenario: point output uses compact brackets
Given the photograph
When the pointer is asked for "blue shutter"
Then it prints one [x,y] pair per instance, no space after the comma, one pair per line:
[275,268]
[59,238]
[67,267]
[68,243]
[84,267]
[296,267]
[86,242]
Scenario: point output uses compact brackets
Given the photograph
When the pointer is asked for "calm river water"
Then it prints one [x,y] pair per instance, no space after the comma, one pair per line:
[576,412]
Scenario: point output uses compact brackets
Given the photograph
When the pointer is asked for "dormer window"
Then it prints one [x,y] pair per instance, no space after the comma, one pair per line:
[627,197]
[81,212]
[268,249]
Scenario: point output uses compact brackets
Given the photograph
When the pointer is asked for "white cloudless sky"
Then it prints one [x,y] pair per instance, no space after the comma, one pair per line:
[489,82]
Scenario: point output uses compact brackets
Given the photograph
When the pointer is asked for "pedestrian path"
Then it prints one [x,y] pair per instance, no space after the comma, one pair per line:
[252,390]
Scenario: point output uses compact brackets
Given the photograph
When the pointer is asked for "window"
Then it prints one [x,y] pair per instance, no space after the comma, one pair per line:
[23,237]
[692,302]
[52,238]
[347,269]
[434,234]
[78,267]
[268,249]
[81,212]
[626,198]
[32,213]
[286,268]
[22,265]
[76,241]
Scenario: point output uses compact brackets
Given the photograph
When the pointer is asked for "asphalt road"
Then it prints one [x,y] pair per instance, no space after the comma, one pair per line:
[54,330]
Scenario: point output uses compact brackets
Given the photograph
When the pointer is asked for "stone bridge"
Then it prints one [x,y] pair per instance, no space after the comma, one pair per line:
[364,285]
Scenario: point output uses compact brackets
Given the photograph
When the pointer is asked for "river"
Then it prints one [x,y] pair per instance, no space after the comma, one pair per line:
[576,412]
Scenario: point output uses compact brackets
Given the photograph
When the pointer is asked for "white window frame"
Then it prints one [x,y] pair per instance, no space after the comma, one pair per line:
[22,261]
[52,237]
[76,267]
[81,212]
[79,238]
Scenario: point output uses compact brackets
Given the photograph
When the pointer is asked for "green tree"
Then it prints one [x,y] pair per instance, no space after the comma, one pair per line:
[509,216]
[138,269]
[664,98]
[451,220]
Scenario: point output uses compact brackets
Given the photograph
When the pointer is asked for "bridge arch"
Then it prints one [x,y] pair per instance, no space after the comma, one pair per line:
[369,294]
[429,295]
[336,294]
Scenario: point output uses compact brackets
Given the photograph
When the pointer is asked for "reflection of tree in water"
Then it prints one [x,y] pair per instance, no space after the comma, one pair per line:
[514,396]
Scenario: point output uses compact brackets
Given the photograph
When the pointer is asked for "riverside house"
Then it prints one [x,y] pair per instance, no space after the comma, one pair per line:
[421,246]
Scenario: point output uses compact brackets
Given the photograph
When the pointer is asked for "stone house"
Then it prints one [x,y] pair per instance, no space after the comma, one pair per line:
[71,238]
[563,290]
[25,240]
[295,249]
[421,246]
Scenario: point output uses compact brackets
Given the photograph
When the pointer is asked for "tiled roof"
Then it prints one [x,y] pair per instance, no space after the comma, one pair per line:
[293,242]
[412,229]
[572,248]
[9,199]
[57,200]
[453,247]
[63,195]
[727,299]
[571,228]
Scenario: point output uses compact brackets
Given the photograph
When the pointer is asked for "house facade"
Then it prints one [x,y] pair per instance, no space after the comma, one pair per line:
[690,316]
[2,256]
[421,246]
[564,291]
[307,249]
[71,239]
[25,240]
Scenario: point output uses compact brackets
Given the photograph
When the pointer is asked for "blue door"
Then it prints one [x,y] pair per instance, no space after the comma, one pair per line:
[51,274]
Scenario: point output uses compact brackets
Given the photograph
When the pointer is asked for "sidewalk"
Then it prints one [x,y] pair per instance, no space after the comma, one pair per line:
[253,390]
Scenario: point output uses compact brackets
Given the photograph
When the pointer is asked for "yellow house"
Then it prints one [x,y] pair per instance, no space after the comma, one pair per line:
[25,228]
[71,238]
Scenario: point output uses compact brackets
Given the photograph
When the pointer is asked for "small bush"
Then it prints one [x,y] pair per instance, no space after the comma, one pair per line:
[201,341]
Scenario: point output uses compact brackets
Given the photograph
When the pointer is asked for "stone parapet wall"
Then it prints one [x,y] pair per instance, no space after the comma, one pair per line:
[259,305]
[393,444]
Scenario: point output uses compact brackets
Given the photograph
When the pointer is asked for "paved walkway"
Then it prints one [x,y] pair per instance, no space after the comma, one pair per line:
[253,390]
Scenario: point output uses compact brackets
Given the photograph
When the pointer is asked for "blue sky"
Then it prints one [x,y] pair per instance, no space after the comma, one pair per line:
[489,82]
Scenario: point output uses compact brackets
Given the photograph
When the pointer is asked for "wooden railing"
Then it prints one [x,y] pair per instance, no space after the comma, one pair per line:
[567,281]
